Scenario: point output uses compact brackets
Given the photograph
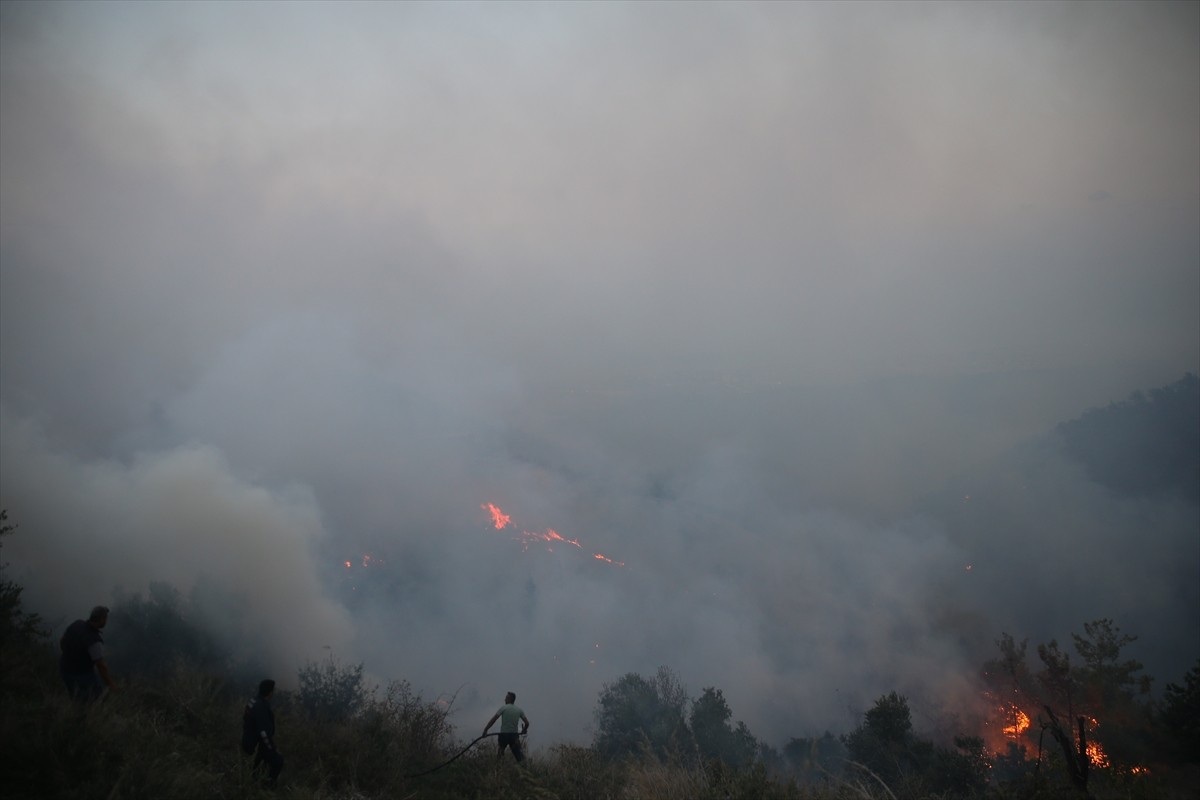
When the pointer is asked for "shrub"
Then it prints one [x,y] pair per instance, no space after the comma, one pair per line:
[157,634]
[331,692]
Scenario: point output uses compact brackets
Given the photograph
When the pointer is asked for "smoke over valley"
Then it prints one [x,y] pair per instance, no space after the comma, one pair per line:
[798,348]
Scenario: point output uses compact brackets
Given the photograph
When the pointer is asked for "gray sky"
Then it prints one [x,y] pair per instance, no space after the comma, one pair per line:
[724,291]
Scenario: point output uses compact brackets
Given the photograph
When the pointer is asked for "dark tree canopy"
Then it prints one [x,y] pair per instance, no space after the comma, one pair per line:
[1149,443]
[157,632]
[715,738]
[635,712]
[885,746]
[1180,714]
[20,631]
[332,691]
[881,742]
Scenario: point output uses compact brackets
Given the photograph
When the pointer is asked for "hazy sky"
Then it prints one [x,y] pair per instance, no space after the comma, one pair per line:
[724,291]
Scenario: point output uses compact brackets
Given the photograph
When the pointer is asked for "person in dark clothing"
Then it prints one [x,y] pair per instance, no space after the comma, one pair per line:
[509,715]
[82,663]
[258,731]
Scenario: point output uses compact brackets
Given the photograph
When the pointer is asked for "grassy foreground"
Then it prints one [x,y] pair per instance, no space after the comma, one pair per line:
[176,733]
[173,732]
[177,737]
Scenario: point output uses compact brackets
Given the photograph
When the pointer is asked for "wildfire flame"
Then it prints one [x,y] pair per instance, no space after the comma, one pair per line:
[1095,752]
[1006,726]
[1096,755]
[549,537]
[1020,722]
[499,519]
[1011,725]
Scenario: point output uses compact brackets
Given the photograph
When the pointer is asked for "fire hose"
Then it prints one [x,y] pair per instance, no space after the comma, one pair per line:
[456,755]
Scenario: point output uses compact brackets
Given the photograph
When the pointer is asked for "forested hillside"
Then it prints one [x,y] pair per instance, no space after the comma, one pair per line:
[1147,444]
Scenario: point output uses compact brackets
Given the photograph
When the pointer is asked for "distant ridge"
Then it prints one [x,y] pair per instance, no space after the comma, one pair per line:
[1146,445]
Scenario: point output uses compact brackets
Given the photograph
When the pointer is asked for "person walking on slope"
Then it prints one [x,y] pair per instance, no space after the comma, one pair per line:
[509,714]
[82,657]
[258,731]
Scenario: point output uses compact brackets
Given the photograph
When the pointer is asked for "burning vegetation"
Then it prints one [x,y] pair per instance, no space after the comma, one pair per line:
[652,738]
[550,537]
[1092,717]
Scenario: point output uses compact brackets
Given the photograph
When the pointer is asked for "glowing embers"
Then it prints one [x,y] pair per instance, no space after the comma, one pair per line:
[550,537]
[1095,753]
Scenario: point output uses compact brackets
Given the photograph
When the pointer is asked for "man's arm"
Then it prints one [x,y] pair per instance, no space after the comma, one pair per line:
[261,721]
[491,722]
[525,722]
[102,668]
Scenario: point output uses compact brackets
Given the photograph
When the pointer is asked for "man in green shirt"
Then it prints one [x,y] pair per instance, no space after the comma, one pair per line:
[509,714]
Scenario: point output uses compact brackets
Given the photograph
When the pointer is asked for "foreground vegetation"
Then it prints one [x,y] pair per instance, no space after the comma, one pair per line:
[172,731]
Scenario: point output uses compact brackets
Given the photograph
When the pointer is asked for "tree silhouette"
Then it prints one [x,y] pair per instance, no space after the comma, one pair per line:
[331,691]
[881,742]
[635,712]
[1180,715]
[715,738]
[156,633]
[1098,700]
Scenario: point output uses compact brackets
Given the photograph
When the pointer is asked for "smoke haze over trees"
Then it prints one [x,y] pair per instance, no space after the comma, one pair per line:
[167,732]
[756,299]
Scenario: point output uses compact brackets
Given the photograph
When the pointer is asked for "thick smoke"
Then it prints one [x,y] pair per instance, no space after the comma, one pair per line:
[800,616]
[179,516]
[768,311]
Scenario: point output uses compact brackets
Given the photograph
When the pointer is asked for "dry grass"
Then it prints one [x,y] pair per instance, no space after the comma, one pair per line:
[177,737]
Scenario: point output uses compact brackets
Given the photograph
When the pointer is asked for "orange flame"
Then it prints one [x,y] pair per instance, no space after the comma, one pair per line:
[499,518]
[1005,726]
[1097,756]
[550,537]
[1095,752]
[1020,722]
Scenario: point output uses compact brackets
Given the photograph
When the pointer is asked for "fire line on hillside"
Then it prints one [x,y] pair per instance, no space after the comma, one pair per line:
[550,537]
